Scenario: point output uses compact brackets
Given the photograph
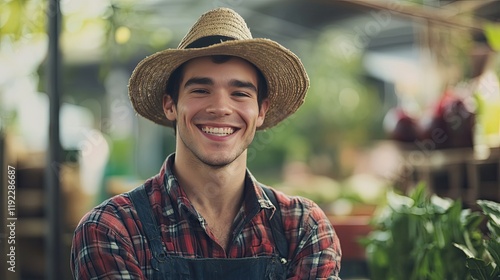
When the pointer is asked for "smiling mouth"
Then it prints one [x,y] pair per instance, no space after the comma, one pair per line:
[218,131]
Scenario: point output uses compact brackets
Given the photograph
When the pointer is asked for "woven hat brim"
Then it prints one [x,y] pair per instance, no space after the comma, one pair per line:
[286,77]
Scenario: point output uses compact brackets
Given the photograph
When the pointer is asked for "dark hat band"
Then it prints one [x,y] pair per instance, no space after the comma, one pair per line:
[208,41]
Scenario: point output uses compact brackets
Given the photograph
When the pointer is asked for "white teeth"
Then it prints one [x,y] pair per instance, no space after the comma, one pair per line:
[219,131]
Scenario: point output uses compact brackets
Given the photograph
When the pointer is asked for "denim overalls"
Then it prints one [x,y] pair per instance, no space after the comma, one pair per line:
[167,266]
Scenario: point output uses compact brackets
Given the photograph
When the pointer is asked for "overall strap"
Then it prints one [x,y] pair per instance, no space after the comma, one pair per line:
[277,226]
[139,198]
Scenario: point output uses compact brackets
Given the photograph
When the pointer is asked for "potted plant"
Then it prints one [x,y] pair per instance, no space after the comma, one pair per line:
[423,236]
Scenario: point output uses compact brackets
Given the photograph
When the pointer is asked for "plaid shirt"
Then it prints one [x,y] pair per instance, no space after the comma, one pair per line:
[109,244]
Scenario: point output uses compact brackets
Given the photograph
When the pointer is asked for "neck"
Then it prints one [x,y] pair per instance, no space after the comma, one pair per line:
[212,190]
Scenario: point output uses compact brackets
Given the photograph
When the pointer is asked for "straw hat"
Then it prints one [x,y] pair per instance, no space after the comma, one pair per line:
[287,80]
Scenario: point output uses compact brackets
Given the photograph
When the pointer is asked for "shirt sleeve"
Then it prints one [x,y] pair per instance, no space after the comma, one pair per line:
[99,252]
[318,252]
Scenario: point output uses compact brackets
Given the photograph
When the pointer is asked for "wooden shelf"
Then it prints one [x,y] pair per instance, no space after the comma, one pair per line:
[455,173]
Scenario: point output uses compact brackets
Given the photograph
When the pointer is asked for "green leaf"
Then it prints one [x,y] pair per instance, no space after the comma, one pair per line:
[492,211]
[492,33]
[440,204]
[419,194]
[493,248]
[399,203]
[471,220]
[464,249]
[490,208]
[479,269]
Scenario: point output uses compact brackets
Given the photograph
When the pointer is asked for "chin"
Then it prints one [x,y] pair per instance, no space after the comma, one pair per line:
[219,161]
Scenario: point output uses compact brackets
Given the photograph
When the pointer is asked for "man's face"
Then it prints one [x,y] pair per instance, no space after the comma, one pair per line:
[217,112]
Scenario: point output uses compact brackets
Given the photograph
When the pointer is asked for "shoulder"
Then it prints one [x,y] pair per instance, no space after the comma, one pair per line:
[308,228]
[300,211]
[116,214]
[108,242]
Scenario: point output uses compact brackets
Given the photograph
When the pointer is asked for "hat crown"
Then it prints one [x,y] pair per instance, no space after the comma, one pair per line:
[218,22]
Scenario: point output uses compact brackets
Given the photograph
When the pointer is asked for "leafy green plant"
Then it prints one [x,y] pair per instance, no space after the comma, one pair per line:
[485,264]
[423,236]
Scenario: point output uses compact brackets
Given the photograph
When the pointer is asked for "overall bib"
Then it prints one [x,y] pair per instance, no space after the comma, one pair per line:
[171,267]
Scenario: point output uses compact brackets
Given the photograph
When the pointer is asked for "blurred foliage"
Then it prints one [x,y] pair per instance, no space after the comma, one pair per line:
[22,19]
[492,33]
[128,27]
[417,236]
[131,29]
[341,110]
[22,40]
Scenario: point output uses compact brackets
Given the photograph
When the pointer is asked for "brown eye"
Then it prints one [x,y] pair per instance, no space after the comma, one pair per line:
[200,91]
[241,94]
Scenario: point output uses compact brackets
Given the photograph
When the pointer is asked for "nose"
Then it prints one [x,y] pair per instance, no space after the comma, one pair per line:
[220,104]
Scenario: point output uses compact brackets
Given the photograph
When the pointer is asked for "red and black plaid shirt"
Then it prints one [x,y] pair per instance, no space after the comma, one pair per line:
[109,244]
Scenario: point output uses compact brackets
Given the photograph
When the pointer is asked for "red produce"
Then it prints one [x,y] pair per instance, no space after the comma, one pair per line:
[450,125]
[400,126]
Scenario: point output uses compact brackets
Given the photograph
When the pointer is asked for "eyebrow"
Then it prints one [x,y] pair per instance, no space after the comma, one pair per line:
[210,82]
[199,81]
[242,84]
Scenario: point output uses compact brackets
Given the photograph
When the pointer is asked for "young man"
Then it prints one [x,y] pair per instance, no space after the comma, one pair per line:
[204,216]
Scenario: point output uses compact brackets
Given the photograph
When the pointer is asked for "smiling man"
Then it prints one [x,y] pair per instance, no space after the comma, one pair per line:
[204,216]
[217,110]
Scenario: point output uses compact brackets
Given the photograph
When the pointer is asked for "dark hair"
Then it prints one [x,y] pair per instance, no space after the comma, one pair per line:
[173,83]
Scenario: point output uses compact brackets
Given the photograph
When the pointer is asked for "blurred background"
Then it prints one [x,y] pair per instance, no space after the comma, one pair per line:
[402,91]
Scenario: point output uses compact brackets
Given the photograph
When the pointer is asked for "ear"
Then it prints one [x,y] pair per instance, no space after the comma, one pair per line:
[169,107]
[262,112]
